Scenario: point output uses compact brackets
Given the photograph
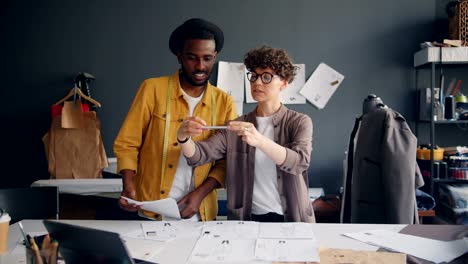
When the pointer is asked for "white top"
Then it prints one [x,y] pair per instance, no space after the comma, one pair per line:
[265,197]
[183,179]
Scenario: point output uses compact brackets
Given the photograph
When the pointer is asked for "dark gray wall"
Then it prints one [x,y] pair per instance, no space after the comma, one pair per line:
[123,42]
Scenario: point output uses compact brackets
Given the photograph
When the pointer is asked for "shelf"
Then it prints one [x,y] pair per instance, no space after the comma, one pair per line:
[445,121]
[450,55]
[450,181]
[432,57]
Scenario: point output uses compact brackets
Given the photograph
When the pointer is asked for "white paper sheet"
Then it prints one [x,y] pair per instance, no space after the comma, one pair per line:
[429,249]
[231,79]
[138,233]
[321,85]
[223,251]
[291,94]
[230,229]
[143,249]
[239,107]
[287,250]
[165,207]
[286,231]
[168,230]
[248,89]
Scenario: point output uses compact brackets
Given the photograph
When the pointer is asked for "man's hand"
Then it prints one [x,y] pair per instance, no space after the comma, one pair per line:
[190,203]
[191,127]
[128,191]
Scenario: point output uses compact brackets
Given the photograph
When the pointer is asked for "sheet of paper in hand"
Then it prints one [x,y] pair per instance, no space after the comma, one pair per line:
[165,207]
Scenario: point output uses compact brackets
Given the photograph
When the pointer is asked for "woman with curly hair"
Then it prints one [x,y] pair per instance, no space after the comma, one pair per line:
[267,151]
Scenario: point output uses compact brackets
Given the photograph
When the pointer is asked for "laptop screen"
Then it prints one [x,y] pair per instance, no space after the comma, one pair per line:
[79,244]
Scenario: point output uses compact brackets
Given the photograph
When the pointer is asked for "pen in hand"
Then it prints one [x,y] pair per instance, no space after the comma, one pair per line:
[214,127]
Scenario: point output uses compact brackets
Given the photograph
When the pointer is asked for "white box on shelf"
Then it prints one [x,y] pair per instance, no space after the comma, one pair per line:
[449,55]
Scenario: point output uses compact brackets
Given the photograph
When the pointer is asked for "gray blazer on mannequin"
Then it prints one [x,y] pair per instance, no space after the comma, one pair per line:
[385,174]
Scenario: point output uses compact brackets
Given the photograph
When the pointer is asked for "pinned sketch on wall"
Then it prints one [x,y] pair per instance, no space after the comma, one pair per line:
[321,85]
[290,95]
[248,93]
[231,80]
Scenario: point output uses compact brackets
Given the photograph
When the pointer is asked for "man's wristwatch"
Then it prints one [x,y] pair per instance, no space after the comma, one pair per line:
[183,141]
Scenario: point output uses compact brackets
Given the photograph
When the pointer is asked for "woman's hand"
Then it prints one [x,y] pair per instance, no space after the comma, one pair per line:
[248,132]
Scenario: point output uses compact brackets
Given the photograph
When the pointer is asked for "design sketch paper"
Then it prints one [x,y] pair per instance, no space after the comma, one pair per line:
[239,107]
[223,250]
[230,229]
[143,249]
[248,89]
[165,207]
[429,249]
[286,230]
[321,85]
[287,250]
[231,80]
[291,94]
[167,230]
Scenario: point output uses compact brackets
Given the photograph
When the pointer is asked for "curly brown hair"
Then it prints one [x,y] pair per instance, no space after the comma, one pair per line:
[276,59]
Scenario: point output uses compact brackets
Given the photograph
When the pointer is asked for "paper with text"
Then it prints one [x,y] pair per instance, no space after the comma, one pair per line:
[231,80]
[223,251]
[286,230]
[168,230]
[287,250]
[321,85]
[429,249]
[291,94]
[165,207]
[230,229]
[143,249]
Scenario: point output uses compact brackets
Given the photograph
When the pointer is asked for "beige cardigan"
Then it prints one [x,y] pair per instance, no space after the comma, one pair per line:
[292,130]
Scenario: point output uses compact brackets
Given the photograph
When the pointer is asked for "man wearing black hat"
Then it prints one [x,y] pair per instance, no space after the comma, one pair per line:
[147,149]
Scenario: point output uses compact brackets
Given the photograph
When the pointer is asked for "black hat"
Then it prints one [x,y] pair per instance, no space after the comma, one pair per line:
[192,29]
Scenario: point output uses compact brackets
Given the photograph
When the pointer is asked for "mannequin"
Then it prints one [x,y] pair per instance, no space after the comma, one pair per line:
[371,103]
[381,175]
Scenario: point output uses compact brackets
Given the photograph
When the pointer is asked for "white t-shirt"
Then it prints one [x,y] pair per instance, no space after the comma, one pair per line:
[183,179]
[266,197]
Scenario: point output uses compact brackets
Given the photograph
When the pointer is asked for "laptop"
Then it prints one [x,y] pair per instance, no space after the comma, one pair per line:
[79,244]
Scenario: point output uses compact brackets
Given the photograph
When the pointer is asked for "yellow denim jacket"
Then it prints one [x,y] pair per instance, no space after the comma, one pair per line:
[139,144]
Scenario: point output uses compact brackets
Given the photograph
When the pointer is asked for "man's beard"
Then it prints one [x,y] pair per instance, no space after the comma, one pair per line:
[187,77]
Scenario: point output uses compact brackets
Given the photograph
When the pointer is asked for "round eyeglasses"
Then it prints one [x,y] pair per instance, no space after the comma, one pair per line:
[266,77]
